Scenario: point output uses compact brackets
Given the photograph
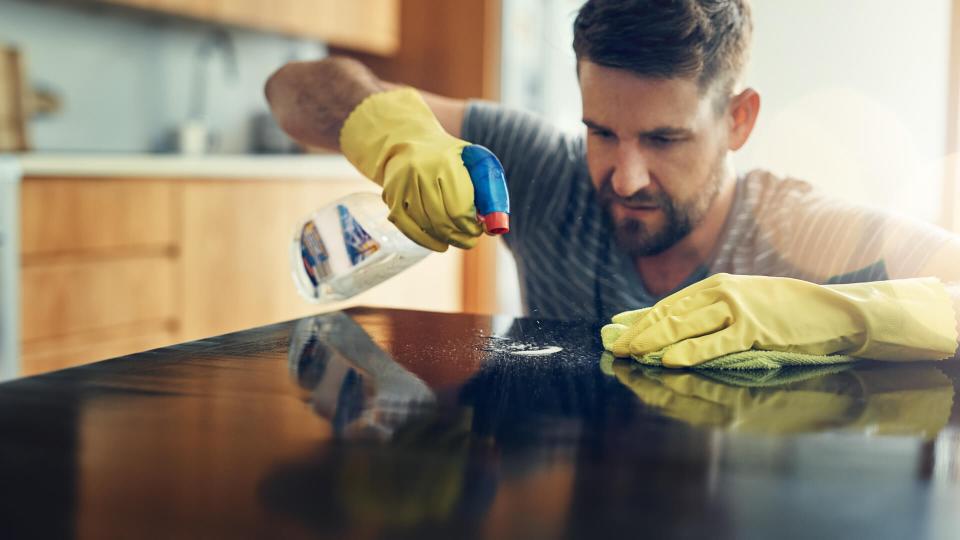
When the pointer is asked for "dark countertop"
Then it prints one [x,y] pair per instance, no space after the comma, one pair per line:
[403,424]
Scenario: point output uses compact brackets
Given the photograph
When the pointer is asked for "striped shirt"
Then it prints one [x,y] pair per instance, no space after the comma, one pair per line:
[571,268]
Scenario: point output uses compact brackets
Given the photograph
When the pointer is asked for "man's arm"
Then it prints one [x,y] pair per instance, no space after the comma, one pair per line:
[832,241]
[909,316]
[392,136]
[312,100]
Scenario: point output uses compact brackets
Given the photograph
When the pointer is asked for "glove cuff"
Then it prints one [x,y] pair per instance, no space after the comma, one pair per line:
[906,319]
[370,131]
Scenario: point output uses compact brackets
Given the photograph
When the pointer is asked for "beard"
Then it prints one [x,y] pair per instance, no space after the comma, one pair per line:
[637,238]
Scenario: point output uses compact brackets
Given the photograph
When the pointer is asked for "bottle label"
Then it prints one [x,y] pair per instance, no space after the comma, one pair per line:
[321,260]
[316,261]
[360,245]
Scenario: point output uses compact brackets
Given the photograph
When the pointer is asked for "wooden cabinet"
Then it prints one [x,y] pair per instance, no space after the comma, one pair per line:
[76,215]
[363,25]
[116,266]
[99,272]
[76,296]
[79,311]
[235,259]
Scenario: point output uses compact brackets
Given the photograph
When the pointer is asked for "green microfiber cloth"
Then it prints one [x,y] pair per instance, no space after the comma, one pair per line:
[749,368]
[769,378]
[752,359]
[756,359]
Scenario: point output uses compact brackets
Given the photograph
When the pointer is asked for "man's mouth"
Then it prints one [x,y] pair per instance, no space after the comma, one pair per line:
[635,206]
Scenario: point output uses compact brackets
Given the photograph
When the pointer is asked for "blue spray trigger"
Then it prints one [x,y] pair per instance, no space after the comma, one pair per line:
[489,188]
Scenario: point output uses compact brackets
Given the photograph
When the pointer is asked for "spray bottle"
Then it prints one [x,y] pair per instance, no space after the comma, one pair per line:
[349,245]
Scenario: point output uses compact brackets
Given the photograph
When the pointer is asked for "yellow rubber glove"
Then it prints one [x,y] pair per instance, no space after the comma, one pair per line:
[901,401]
[909,319]
[395,140]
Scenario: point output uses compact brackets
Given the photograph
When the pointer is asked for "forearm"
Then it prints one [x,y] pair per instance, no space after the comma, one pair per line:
[311,100]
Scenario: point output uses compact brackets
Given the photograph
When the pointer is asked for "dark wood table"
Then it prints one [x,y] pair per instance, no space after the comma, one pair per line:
[384,423]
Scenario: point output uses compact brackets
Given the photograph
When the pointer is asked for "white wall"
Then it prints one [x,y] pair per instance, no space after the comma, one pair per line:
[539,67]
[538,74]
[854,94]
[854,97]
[125,76]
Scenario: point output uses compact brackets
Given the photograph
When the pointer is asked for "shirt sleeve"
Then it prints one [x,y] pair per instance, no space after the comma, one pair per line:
[541,163]
[828,240]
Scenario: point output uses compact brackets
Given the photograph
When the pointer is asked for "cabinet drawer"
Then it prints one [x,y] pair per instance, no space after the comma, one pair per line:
[68,216]
[63,298]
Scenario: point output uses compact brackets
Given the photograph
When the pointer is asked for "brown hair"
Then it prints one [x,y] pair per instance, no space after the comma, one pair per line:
[703,39]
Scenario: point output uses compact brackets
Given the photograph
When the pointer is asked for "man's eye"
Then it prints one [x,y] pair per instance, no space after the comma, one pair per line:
[657,140]
[602,134]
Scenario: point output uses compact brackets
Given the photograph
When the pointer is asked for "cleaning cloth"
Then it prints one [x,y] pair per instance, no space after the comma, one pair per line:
[750,359]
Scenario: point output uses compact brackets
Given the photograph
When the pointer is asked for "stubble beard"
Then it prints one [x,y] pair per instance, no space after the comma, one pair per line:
[637,239]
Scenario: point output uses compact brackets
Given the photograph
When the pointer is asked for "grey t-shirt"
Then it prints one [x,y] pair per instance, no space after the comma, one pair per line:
[570,266]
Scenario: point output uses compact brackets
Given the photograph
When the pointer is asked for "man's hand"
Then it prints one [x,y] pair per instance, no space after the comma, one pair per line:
[910,319]
[394,139]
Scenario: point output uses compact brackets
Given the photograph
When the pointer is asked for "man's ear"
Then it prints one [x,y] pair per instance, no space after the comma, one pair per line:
[744,108]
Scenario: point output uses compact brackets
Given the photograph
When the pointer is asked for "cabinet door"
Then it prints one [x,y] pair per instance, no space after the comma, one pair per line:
[98,269]
[76,296]
[236,257]
[77,311]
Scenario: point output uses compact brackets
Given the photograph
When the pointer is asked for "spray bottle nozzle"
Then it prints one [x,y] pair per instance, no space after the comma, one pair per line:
[489,188]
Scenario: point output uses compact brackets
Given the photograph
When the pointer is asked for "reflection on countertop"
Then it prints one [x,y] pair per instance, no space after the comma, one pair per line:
[375,423]
[354,384]
[875,399]
[577,441]
[889,400]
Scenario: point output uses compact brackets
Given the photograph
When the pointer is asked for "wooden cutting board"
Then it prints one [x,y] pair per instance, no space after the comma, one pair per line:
[13,102]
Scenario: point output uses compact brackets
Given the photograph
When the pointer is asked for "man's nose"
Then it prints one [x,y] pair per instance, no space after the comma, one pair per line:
[631,173]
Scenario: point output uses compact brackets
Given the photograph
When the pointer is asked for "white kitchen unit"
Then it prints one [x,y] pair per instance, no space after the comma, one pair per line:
[9,268]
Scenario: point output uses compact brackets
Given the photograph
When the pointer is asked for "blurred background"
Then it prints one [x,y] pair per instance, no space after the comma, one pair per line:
[147,198]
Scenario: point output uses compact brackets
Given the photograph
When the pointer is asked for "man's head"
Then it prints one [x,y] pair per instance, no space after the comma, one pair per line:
[658,80]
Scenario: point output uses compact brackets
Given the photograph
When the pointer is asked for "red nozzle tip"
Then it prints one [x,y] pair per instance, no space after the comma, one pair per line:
[496,223]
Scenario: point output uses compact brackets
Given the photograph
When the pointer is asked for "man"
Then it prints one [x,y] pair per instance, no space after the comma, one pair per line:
[647,210]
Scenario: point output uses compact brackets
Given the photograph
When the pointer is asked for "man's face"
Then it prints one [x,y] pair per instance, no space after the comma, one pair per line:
[655,150]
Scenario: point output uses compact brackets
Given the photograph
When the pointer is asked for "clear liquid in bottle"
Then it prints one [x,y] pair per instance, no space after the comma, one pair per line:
[348,247]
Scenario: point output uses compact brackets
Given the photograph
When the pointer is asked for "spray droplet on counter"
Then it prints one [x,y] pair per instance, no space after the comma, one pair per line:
[504,345]
[539,352]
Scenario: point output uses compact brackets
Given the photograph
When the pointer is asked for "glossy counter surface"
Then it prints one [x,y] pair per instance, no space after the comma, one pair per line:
[401,424]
